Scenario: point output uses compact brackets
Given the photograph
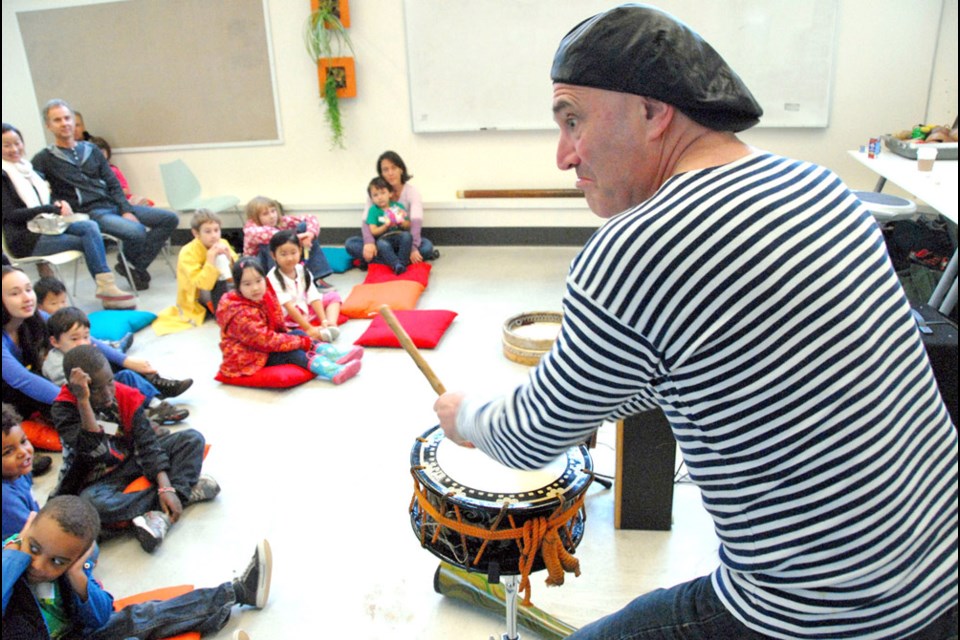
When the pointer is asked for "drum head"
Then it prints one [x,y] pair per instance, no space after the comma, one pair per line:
[479,487]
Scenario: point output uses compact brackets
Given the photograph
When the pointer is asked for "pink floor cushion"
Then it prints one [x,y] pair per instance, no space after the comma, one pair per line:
[281,376]
[365,300]
[424,326]
[113,324]
[419,272]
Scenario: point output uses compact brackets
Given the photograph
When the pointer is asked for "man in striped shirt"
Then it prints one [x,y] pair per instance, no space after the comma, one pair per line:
[750,297]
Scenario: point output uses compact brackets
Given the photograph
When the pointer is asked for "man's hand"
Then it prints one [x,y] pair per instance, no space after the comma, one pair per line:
[79,383]
[447,406]
[132,218]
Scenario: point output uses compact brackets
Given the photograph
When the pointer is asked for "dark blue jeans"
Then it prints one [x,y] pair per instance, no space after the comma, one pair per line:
[297,356]
[692,611]
[185,452]
[133,379]
[203,610]
[143,240]
[354,246]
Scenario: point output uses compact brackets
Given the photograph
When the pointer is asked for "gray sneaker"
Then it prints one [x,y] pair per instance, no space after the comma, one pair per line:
[151,528]
[205,489]
[253,587]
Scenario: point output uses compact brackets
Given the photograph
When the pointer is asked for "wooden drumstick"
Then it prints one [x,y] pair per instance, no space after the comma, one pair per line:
[411,349]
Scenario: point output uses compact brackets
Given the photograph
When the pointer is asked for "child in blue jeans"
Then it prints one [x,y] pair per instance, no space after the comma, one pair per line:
[70,327]
[108,443]
[49,590]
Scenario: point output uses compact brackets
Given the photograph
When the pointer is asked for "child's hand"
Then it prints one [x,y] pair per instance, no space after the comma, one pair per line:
[139,365]
[214,251]
[306,239]
[65,208]
[369,251]
[79,384]
[77,567]
[171,505]
[14,541]
[314,333]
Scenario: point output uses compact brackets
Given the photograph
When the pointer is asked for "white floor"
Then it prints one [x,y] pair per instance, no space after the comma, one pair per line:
[323,473]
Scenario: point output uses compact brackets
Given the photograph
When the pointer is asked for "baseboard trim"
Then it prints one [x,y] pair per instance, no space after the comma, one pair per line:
[448,236]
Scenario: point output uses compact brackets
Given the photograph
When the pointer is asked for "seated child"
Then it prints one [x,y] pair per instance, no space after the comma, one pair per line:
[264,218]
[18,500]
[49,590]
[108,443]
[69,327]
[107,152]
[253,335]
[204,274]
[304,307]
[389,225]
[52,296]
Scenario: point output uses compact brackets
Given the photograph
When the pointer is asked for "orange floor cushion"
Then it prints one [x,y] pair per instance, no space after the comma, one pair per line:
[41,435]
[365,300]
[163,593]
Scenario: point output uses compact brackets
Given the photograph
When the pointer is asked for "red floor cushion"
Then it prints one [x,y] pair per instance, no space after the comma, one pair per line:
[419,272]
[424,326]
[281,376]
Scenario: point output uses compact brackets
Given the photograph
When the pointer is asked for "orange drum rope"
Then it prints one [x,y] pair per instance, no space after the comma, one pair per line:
[537,535]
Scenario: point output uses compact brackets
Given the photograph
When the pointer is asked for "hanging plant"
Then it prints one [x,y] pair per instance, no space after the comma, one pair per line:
[325,37]
[333,110]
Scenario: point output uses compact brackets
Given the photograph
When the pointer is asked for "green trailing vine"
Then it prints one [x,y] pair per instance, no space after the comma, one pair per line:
[333,110]
[325,36]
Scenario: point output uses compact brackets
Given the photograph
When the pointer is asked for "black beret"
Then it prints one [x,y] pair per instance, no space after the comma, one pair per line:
[641,50]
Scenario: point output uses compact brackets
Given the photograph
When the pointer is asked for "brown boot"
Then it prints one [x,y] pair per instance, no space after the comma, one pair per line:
[113,297]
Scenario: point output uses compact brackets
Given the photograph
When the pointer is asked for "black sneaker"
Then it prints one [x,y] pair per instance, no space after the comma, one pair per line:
[141,279]
[167,387]
[41,465]
[433,255]
[166,413]
[253,587]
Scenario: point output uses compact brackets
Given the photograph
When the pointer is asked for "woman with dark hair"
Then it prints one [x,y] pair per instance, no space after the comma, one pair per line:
[25,195]
[363,248]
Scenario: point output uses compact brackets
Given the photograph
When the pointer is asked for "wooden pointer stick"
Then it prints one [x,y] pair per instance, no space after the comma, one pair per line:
[411,349]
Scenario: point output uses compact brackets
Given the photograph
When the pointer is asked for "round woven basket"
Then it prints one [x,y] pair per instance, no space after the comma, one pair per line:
[528,336]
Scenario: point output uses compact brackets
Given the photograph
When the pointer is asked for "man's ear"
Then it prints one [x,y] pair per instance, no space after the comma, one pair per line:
[659,114]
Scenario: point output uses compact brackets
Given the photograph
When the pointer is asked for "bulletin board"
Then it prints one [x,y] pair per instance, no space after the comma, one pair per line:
[151,74]
[486,65]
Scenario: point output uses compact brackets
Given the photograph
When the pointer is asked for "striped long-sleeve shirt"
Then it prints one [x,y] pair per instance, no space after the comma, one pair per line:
[756,305]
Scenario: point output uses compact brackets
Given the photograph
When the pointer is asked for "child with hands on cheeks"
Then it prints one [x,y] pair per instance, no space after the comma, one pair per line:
[108,443]
[49,590]
[253,334]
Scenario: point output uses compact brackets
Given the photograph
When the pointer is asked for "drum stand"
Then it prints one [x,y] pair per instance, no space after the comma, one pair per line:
[510,600]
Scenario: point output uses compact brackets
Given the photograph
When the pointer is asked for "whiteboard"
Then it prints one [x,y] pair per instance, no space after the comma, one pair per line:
[485,64]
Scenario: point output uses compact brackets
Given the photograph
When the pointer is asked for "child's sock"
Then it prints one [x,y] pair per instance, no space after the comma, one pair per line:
[329,370]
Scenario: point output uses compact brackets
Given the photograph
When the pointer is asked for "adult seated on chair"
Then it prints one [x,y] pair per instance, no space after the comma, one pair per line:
[25,195]
[79,174]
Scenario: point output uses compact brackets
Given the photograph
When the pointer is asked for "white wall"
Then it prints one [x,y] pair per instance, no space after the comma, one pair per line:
[885,79]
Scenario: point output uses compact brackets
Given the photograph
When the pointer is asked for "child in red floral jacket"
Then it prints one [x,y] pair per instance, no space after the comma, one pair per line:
[253,334]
